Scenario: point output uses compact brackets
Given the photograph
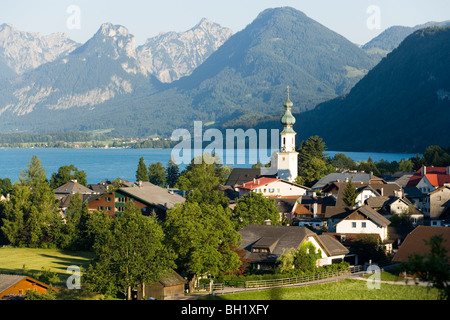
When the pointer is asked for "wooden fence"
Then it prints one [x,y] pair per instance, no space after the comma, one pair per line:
[253,284]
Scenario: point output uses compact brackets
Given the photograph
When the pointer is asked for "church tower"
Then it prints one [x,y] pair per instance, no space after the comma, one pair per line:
[287,158]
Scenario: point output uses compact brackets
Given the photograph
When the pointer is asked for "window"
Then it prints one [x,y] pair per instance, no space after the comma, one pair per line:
[363,224]
[353,224]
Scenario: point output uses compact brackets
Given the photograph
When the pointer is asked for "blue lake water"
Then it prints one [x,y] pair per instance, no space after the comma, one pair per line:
[101,164]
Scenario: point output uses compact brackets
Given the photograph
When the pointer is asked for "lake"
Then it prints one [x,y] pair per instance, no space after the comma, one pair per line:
[101,164]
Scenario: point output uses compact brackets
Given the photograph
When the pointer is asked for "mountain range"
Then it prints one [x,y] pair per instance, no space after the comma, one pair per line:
[207,73]
[24,51]
[244,77]
[401,105]
[390,38]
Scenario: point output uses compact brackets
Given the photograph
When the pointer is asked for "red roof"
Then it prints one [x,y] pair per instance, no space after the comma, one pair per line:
[257,183]
[436,175]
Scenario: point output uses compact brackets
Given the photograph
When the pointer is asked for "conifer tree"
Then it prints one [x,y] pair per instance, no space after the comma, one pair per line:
[349,194]
[141,172]
[157,174]
[172,173]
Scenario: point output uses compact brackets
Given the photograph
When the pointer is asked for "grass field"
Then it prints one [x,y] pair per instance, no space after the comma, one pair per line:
[343,290]
[13,260]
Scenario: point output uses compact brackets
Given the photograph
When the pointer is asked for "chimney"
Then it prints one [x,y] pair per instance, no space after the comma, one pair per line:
[315,210]
[424,170]
[254,180]
[381,191]
[447,170]
[267,222]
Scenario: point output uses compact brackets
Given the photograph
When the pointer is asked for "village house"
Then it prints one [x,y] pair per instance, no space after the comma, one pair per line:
[427,179]
[265,243]
[272,188]
[145,195]
[416,242]
[169,287]
[367,178]
[239,176]
[439,204]
[420,189]
[351,222]
[391,205]
[67,191]
[310,211]
[13,286]
[361,220]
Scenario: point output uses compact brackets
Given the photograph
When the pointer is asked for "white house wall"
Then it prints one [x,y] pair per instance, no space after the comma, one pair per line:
[278,188]
[324,259]
[346,226]
[363,196]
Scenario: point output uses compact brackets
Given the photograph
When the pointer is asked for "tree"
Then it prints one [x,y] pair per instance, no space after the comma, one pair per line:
[201,178]
[312,162]
[5,186]
[131,252]
[172,173]
[436,156]
[406,165]
[418,162]
[157,174]
[142,172]
[433,266]
[254,208]
[32,216]
[34,174]
[285,262]
[369,167]
[204,238]
[72,231]
[200,174]
[349,195]
[342,163]
[66,174]
[306,257]
[368,247]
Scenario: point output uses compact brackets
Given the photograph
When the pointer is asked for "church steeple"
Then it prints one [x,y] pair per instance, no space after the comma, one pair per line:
[288,120]
[287,157]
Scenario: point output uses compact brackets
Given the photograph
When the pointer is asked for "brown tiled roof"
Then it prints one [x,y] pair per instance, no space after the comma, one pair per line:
[278,238]
[73,187]
[8,280]
[415,242]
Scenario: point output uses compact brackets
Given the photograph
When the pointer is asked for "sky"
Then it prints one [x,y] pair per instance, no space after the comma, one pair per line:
[357,20]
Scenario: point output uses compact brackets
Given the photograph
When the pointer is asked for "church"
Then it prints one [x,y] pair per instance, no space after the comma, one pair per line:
[284,165]
[287,157]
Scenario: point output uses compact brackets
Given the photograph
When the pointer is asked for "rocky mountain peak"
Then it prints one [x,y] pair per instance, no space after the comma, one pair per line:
[110,30]
[172,55]
[23,51]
